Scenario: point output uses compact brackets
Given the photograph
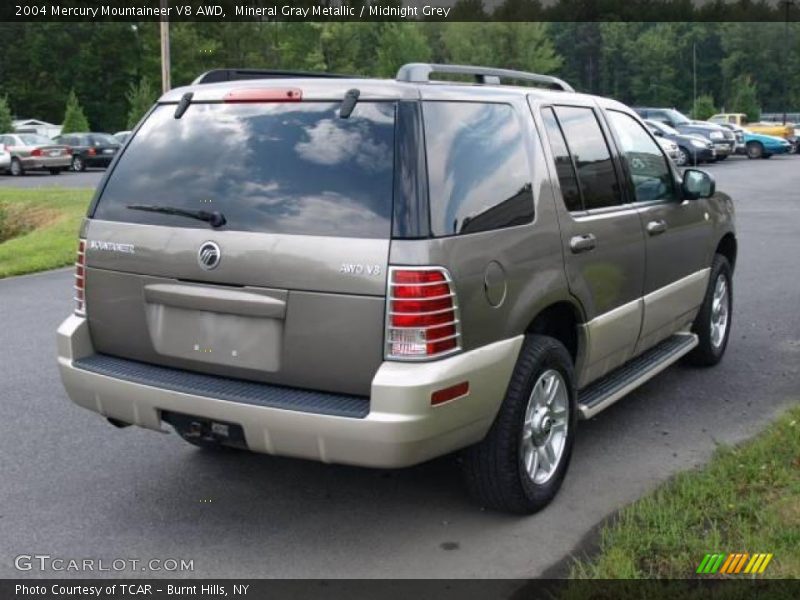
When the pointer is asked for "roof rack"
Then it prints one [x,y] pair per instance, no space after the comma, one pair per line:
[218,75]
[421,73]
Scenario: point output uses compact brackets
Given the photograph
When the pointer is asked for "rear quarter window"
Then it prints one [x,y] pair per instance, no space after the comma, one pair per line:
[293,168]
[478,171]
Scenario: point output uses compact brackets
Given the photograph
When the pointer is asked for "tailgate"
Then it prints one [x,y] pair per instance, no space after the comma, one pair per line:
[291,289]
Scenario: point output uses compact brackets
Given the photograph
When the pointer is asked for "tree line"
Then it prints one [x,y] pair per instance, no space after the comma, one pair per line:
[111,71]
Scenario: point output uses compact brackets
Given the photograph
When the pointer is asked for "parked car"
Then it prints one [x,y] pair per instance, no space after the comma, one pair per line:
[122,136]
[5,159]
[759,145]
[90,149]
[34,152]
[738,132]
[723,140]
[356,276]
[774,129]
[692,149]
[670,148]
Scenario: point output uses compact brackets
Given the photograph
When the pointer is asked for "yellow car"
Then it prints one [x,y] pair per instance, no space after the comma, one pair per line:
[740,119]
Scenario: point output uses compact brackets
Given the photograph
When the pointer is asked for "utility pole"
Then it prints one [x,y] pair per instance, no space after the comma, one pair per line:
[787,49]
[165,61]
[694,79]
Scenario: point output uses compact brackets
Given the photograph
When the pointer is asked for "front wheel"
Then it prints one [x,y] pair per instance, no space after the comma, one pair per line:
[77,164]
[713,323]
[684,158]
[755,150]
[521,463]
[16,168]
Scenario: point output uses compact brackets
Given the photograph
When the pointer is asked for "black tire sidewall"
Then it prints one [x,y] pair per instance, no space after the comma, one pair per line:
[706,354]
[80,162]
[493,468]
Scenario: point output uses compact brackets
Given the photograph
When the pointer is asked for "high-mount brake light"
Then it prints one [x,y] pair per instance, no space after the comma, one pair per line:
[264,95]
[422,319]
[80,279]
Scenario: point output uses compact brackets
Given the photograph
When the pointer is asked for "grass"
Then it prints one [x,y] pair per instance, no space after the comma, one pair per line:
[747,499]
[40,228]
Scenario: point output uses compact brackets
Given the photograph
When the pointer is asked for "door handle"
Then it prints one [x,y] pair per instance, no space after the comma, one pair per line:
[582,243]
[656,227]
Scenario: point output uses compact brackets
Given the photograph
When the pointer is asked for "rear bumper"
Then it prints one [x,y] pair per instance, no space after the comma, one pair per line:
[400,429]
[34,163]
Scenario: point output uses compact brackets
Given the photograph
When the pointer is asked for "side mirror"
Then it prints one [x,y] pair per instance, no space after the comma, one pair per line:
[697,184]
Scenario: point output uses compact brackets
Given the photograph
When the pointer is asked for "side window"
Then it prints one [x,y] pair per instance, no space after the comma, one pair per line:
[478,170]
[587,144]
[565,170]
[649,169]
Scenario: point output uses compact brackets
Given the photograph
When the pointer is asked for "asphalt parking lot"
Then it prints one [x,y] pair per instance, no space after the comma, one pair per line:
[75,487]
[68,179]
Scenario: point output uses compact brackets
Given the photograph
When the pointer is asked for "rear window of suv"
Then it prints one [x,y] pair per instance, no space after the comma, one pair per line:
[293,168]
[478,172]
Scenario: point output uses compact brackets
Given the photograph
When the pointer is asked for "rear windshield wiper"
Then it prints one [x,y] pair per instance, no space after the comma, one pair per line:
[215,218]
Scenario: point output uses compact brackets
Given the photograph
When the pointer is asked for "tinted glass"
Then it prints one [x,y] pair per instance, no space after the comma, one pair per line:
[33,139]
[650,172]
[589,150]
[478,171]
[103,139]
[292,168]
[564,167]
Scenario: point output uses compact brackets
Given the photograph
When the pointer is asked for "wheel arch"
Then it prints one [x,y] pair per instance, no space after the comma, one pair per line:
[729,248]
[560,320]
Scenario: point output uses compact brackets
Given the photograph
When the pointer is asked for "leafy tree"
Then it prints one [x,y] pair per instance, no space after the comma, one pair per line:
[704,107]
[74,118]
[745,98]
[6,121]
[140,99]
[524,46]
[401,43]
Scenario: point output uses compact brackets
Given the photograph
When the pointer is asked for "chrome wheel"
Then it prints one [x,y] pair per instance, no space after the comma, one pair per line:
[720,310]
[544,431]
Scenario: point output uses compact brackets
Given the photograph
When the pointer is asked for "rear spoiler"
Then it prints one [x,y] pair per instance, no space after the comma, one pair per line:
[220,75]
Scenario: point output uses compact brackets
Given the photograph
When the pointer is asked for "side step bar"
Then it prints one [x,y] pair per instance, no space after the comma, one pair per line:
[602,393]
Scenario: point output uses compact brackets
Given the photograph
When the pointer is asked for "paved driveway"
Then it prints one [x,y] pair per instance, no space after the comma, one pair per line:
[75,487]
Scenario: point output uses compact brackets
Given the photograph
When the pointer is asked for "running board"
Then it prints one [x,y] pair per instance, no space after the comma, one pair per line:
[602,393]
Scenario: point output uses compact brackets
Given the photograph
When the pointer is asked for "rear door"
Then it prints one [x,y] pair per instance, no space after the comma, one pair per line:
[290,290]
[601,235]
[676,232]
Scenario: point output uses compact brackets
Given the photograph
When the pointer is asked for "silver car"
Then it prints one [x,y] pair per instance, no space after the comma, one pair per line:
[34,152]
[378,272]
[5,158]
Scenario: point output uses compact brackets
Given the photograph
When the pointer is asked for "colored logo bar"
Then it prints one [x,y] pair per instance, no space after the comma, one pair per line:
[734,564]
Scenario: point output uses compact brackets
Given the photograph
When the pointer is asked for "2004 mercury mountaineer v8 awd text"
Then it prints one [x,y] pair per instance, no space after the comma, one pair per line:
[379,272]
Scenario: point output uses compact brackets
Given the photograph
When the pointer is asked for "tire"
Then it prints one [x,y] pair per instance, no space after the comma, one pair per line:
[78,164]
[55,171]
[707,323]
[16,168]
[495,470]
[684,158]
[755,150]
[723,157]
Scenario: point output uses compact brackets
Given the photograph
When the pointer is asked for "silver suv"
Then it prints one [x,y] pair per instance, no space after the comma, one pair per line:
[379,272]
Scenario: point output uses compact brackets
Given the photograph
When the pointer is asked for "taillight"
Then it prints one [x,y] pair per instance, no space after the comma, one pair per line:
[264,95]
[67,150]
[80,279]
[422,314]
[36,152]
[92,152]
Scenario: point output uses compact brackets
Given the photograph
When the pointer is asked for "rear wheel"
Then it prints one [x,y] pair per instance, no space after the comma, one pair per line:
[16,168]
[521,463]
[78,164]
[684,158]
[713,323]
[755,150]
